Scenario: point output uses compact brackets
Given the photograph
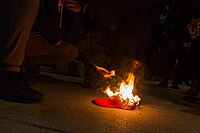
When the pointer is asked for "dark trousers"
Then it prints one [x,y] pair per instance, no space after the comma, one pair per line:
[195,60]
[182,68]
[168,60]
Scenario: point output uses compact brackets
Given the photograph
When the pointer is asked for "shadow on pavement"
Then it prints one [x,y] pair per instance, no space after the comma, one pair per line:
[176,97]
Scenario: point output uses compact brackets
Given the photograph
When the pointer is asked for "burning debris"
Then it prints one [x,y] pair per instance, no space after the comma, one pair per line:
[120,95]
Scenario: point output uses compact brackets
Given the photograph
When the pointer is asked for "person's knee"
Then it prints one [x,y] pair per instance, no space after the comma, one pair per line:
[67,52]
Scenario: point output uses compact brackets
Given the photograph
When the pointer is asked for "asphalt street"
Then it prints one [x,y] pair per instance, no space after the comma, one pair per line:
[68,108]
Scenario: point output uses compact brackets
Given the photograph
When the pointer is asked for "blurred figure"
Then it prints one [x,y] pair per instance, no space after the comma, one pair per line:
[45,44]
[181,74]
[170,45]
[17,45]
[190,30]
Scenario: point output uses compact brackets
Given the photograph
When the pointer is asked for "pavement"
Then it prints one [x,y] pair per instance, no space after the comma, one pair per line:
[68,108]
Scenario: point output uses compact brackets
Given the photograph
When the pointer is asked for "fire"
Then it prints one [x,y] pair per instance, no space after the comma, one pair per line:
[105,72]
[124,92]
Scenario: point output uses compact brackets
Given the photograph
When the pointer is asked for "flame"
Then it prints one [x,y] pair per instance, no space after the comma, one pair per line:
[124,92]
[105,72]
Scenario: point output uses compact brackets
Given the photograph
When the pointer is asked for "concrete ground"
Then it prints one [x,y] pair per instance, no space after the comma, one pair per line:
[67,108]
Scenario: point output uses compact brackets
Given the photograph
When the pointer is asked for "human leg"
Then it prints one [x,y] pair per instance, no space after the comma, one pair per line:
[38,51]
[194,68]
[16,20]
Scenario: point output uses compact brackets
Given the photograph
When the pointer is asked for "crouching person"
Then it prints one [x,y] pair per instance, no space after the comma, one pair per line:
[22,39]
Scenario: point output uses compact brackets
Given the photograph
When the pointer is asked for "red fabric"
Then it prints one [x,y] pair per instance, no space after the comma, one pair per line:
[107,102]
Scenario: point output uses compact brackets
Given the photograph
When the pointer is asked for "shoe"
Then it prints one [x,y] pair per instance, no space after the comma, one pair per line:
[194,89]
[14,88]
[163,84]
[175,86]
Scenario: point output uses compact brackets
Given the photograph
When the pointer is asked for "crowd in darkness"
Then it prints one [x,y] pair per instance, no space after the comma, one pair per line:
[45,31]
[177,39]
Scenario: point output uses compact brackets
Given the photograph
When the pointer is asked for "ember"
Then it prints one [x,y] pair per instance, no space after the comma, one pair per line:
[123,96]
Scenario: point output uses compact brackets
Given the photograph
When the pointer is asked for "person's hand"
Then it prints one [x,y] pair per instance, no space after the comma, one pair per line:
[72,5]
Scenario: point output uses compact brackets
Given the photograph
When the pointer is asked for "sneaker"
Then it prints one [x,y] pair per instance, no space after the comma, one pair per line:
[14,88]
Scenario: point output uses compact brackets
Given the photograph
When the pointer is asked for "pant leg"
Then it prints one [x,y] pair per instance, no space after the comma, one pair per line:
[48,21]
[16,20]
[195,60]
[38,51]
